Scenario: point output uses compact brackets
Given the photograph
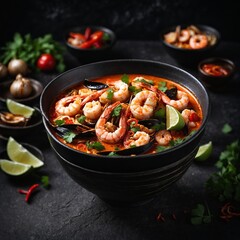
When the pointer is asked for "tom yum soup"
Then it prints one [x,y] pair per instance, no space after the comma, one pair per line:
[117,113]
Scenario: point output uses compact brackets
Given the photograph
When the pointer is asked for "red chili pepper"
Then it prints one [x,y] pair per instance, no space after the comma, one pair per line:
[97,44]
[215,70]
[29,191]
[78,36]
[193,117]
[87,33]
[95,37]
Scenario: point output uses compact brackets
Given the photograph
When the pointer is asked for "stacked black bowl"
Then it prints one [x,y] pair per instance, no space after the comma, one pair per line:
[123,180]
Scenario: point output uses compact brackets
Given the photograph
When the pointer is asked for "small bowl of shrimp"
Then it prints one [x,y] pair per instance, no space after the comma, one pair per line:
[189,44]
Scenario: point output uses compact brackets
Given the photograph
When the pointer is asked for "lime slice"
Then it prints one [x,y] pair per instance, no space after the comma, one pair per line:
[174,119]
[204,152]
[14,168]
[19,108]
[17,153]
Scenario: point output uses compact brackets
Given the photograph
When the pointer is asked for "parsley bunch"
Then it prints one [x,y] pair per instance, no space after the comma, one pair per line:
[29,50]
[225,184]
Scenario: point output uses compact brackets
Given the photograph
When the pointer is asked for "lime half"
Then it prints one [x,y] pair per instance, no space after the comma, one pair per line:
[18,153]
[204,152]
[19,108]
[174,119]
[14,168]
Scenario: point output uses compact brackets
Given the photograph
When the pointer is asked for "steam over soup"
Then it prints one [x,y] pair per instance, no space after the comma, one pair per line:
[125,112]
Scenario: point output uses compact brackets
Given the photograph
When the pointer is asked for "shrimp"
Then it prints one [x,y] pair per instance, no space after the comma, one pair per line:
[143,104]
[163,137]
[186,114]
[198,41]
[92,97]
[92,110]
[120,93]
[85,92]
[139,138]
[179,104]
[69,106]
[184,35]
[106,131]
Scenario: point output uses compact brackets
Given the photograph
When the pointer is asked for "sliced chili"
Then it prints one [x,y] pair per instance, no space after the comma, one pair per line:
[215,70]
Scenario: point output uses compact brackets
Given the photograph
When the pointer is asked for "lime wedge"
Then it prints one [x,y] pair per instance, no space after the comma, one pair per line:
[14,168]
[174,119]
[204,152]
[19,108]
[17,153]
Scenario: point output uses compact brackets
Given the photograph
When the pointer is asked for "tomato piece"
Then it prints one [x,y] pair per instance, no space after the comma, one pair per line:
[46,62]
[193,117]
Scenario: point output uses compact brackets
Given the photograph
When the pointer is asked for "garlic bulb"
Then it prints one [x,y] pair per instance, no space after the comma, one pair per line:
[21,87]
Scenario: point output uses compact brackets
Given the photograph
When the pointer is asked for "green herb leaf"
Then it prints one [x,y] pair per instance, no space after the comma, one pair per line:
[45,181]
[81,119]
[161,148]
[110,94]
[95,145]
[125,78]
[225,183]
[226,128]
[59,122]
[198,215]
[117,111]
[162,86]
[29,50]
[141,79]
[112,154]
[134,89]
[69,136]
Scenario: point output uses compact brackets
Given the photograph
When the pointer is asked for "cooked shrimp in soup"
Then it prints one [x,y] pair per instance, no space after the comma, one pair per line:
[129,113]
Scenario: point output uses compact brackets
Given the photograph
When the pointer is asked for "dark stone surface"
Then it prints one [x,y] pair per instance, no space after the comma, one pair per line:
[132,19]
[68,211]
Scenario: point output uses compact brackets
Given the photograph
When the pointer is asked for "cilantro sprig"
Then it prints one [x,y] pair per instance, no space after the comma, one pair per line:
[225,183]
[29,49]
[95,145]
[200,215]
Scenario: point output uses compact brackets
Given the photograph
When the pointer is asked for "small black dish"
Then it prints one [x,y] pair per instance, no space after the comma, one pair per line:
[5,92]
[86,55]
[33,125]
[216,72]
[187,56]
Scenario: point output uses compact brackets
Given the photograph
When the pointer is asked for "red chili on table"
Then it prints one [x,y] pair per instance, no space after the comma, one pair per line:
[28,192]
[215,70]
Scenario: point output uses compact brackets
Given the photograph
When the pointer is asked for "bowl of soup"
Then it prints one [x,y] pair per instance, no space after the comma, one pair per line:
[188,43]
[107,124]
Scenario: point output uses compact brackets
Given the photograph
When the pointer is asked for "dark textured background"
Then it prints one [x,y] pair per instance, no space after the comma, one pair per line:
[132,19]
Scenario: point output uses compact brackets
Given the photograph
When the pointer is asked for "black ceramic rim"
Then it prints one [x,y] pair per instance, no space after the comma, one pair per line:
[200,130]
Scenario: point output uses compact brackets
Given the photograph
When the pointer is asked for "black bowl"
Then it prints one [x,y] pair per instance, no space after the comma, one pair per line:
[190,56]
[133,177]
[91,54]
[216,82]
[34,125]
